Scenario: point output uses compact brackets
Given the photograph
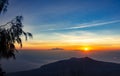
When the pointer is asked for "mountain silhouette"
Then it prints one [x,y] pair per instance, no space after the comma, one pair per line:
[74,67]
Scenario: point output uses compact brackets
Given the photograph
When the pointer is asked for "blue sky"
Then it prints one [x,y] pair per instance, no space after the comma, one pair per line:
[68,20]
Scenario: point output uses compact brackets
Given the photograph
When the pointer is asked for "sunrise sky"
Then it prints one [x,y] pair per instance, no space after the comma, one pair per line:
[68,24]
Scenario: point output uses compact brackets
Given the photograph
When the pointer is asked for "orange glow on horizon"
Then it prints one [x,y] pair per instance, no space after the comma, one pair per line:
[46,46]
[85,48]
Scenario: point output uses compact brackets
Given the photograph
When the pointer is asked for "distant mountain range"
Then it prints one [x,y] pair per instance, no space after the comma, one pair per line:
[74,67]
[57,49]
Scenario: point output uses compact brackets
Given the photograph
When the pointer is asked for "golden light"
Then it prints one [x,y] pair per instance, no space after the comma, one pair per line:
[86,49]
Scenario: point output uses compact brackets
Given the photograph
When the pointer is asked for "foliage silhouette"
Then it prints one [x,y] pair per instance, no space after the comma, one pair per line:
[3,8]
[9,34]
[3,5]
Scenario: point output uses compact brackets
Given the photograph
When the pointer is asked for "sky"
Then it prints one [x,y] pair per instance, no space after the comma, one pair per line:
[68,24]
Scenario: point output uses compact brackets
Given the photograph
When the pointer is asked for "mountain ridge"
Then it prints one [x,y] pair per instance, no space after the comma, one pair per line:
[74,67]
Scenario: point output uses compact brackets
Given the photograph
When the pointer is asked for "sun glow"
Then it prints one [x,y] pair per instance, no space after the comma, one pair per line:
[86,49]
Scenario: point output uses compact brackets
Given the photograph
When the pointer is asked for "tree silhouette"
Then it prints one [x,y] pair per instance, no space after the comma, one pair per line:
[3,8]
[3,5]
[9,34]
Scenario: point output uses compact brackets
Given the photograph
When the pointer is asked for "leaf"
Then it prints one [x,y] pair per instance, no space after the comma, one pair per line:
[25,34]
[30,35]
[19,41]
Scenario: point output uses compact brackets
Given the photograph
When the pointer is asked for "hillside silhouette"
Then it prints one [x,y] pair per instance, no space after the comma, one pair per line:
[74,67]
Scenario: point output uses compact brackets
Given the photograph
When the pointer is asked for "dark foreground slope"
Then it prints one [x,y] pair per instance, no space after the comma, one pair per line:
[74,67]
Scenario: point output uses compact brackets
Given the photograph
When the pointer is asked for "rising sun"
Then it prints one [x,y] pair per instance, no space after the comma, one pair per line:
[86,49]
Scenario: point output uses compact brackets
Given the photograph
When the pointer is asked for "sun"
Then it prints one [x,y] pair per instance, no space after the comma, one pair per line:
[86,49]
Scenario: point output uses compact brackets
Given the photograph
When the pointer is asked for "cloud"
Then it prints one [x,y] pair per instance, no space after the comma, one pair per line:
[86,25]
[58,27]
[75,37]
